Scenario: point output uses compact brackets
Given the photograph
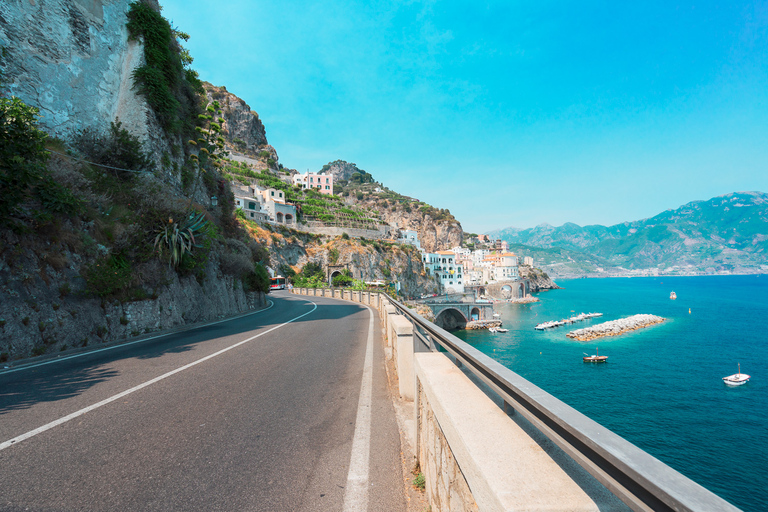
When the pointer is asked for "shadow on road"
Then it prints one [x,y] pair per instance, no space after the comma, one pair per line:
[66,379]
[47,388]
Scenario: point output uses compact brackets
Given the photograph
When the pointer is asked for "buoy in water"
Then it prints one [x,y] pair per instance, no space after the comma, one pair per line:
[689,311]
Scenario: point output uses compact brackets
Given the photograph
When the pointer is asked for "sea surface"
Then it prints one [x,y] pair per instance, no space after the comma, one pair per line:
[661,388]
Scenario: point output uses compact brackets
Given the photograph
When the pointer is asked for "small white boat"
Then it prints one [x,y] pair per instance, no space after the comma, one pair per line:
[673,295]
[501,329]
[497,315]
[491,329]
[737,379]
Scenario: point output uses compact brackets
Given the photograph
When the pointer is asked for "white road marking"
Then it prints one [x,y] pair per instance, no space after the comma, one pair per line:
[89,352]
[118,396]
[356,492]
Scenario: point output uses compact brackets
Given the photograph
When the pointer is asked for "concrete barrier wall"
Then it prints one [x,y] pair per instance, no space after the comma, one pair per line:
[473,455]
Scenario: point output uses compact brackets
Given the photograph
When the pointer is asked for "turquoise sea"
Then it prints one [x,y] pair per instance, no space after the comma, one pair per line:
[661,388]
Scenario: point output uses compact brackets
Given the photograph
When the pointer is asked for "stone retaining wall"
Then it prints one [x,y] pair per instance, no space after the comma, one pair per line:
[446,487]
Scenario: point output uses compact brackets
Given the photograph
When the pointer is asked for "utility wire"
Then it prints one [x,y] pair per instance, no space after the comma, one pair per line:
[99,165]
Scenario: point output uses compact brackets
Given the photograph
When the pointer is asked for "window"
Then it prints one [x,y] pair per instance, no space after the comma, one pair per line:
[273,193]
[251,214]
[311,180]
[252,206]
[327,181]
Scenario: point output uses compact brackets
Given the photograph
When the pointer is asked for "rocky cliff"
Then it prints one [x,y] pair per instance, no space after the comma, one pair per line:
[435,234]
[92,272]
[74,61]
[242,128]
[538,279]
[437,228]
[367,260]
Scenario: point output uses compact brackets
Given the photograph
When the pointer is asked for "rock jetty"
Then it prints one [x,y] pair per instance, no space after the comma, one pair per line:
[615,327]
[482,324]
[558,323]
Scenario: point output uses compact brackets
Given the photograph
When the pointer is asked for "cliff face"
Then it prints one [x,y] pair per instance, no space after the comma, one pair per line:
[242,128]
[435,234]
[46,308]
[72,59]
[366,260]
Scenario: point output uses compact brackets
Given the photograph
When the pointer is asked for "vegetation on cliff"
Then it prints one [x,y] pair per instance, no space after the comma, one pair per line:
[171,87]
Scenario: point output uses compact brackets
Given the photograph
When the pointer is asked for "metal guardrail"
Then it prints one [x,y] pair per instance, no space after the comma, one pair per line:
[640,480]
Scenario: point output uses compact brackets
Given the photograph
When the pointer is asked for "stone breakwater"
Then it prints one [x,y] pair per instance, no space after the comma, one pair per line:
[482,324]
[615,327]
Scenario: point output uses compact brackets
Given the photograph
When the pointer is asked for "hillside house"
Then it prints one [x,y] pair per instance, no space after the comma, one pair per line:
[321,182]
[264,204]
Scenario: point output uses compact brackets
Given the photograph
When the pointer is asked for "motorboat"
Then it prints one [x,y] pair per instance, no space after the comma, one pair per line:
[597,358]
[673,295]
[492,329]
[501,329]
[737,379]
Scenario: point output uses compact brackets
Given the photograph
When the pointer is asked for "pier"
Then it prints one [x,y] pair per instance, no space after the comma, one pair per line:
[557,323]
[615,327]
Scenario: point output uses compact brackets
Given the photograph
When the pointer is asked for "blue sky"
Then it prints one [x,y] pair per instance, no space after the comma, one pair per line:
[507,113]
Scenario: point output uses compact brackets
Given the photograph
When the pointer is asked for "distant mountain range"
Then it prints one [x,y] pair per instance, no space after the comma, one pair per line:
[726,234]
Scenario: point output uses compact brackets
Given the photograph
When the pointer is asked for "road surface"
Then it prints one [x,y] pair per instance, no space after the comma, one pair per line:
[285,409]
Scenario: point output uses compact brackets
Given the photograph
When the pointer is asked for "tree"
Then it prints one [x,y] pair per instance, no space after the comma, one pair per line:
[343,279]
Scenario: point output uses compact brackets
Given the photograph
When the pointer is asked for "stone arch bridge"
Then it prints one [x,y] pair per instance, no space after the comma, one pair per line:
[505,289]
[456,315]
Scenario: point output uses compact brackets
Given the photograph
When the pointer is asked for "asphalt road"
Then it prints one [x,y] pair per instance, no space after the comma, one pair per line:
[248,414]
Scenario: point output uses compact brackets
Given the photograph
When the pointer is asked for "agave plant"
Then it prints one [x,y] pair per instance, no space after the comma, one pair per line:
[179,238]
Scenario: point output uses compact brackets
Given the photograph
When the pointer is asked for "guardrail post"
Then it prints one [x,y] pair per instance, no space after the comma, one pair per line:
[390,312]
[402,330]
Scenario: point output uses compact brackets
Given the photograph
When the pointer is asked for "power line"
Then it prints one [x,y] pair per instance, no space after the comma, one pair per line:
[96,164]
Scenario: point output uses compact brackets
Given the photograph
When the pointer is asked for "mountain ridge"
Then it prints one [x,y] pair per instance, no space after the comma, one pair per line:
[723,234]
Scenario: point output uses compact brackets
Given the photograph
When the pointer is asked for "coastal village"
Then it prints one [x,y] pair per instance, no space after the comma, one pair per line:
[479,261]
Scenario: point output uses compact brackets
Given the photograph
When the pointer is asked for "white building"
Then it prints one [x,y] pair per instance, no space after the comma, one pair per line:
[449,273]
[264,204]
[251,206]
[321,182]
[506,267]
[527,260]
[479,255]
[408,236]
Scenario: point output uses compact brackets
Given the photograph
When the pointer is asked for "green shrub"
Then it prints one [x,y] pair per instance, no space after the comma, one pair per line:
[171,89]
[343,279]
[108,276]
[258,280]
[23,171]
[117,148]
[178,239]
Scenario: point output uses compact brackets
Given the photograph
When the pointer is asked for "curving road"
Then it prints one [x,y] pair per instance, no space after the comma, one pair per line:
[285,409]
